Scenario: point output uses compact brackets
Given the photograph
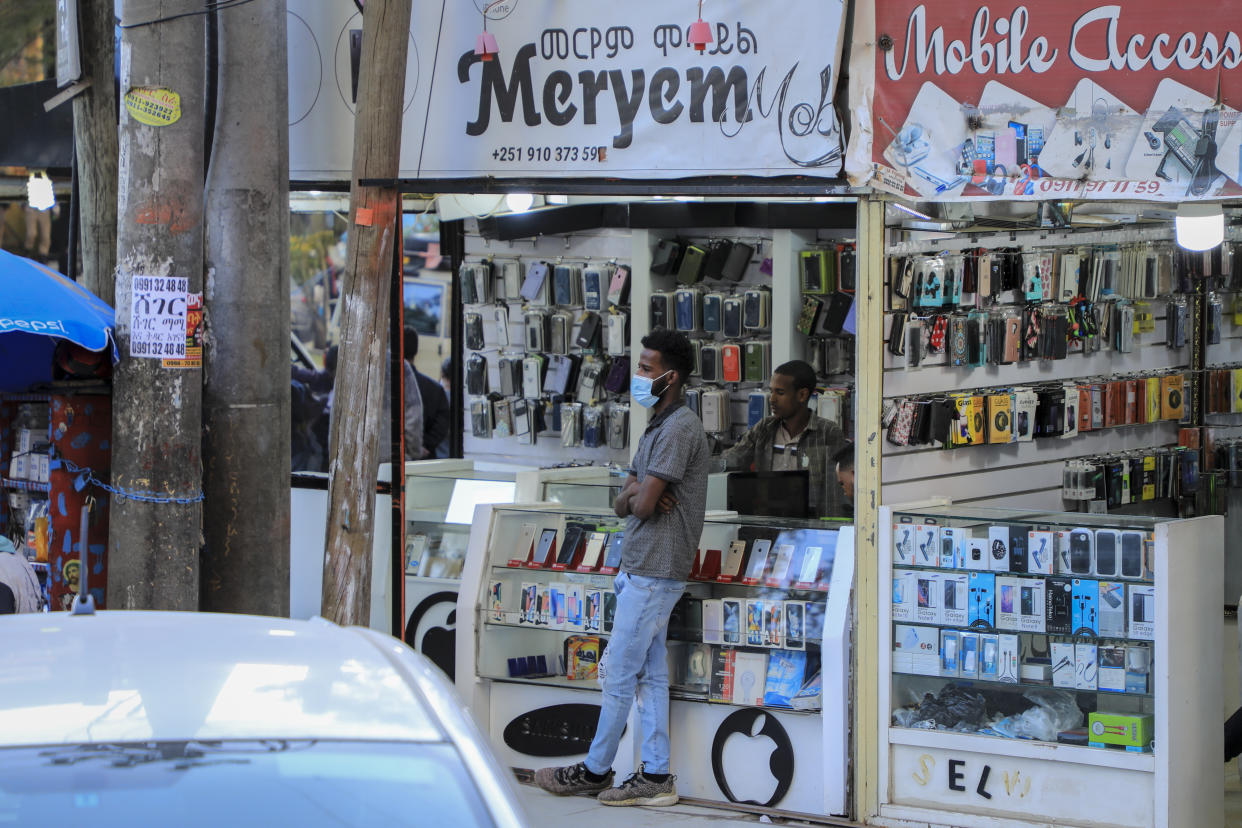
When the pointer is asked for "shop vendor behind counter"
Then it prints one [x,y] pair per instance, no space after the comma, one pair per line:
[794,438]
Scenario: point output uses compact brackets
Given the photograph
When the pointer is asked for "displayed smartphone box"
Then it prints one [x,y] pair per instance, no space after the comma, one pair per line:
[904,591]
[926,550]
[1132,731]
[713,621]
[976,553]
[1085,666]
[916,650]
[1141,611]
[1112,672]
[955,598]
[1084,615]
[1064,664]
[927,597]
[950,651]
[1040,553]
[1018,537]
[903,544]
[998,548]
[989,656]
[1058,606]
[982,598]
[1112,609]
[1007,596]
[1031,605]
[1007,658]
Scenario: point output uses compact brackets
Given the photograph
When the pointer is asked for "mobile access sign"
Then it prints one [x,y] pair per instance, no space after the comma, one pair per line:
[1053,100]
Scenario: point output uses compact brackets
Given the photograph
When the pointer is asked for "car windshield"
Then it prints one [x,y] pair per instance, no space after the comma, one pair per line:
[234,783]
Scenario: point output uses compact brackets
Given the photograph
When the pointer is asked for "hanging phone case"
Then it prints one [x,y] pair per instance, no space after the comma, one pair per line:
[532,375]
[588,333]
[594,283]
[738,261]
[618,427]
[618,332]
[481,418]
[709,363]
[688,313]
[618,379]
[756,309]
[811,308]
[534,288]
[814,270]
[755,367]
[474,331]
[732,317]
[510,369]
[713,304]
[511,280]
[690,270]
[897,334]
[536,330]
[468,286]
[619,286]
[847,270]
[667,257]
[476,376]
[661,310]
[730,362]
[500,314]
[717,256]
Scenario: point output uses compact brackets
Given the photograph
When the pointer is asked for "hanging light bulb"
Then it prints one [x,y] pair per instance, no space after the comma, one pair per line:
[1199,225]
[700,32]
[519,202]
[485,44]
[39,191]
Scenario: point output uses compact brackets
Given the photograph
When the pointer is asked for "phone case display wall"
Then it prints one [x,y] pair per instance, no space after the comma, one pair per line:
[722,289]
[51,445]
[547,347]
[757,652]
[1057,664]
[1034,355]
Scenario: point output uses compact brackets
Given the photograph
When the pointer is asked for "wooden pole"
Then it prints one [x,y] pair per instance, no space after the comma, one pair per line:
[155,535]
[246,382]
[95,148]
[357,409]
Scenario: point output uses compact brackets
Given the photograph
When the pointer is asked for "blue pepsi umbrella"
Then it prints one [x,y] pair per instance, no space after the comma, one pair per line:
[39,306]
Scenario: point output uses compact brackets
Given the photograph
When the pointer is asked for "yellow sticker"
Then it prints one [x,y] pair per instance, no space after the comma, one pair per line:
[152,106]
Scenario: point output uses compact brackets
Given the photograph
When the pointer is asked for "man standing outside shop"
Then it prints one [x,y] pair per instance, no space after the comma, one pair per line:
[792,438]
[663,502]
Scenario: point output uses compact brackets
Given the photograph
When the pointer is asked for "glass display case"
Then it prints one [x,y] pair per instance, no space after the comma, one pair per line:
[1036,645]
[756,649]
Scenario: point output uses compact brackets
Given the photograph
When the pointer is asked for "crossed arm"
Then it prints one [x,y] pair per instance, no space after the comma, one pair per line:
[643,500]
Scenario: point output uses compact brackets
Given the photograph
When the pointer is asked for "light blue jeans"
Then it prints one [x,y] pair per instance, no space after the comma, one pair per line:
[637,665]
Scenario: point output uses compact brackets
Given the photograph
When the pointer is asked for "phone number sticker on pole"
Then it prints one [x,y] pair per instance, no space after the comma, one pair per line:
[158,313]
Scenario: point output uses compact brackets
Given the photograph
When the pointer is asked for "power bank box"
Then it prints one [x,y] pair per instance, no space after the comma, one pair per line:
[1039,553]
[989,656]
[950,649]
[1085,666]
[1141,611]
[952,547]
[1031,605]
[1007,590]
[1058,606]
[1084,617]
[976,553]
[1063,664]
[1112,608]
[968,660]
[1007,658]
[926,551]
[916,650]
[904,587]
[955,598]
[983,598]
[1112,673]
[903,544]
[998,548]
[928,595]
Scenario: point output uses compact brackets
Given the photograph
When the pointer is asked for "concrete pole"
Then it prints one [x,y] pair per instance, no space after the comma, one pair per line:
[155,538]
[95,148]
[357,408]
[246,380]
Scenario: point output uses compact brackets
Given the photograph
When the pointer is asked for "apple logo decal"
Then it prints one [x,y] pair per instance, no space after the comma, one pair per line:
[741,738]
[432,630]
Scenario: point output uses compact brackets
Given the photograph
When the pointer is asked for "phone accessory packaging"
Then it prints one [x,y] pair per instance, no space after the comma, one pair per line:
[1058,606]
[1086,666]
[618,332]
[566,285]
[998,548]
[756,312]
[534,287]
[500,315]
[666,258]
[950,652]
[715,403]
[619,286]
[718,251]
[926,544]
[756,361]
[732,317]
[816,276]
[532,375]
[481,418]
[1039,552]
[588,338]
[618,378]
[1141,611]
[982,603]
[1112,609]
[474,331]
[511,279]
[810,313]
[756,408]
[661,305]
[730,362]
[536,323]
[737,262]
[916,650]
[688,315]
[476,376]
[594,288]
[713,312]
[560,324]
[1084,616]
[618,426]
[951,545]
[903,544]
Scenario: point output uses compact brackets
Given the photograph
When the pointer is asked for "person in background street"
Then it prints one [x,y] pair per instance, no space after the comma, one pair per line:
[793,437]
[663,501]
[844,459]
[446,382]
[19,586]
[434,403]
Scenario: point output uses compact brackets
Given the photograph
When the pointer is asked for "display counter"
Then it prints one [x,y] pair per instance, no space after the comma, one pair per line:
[758,650]
[1058,664]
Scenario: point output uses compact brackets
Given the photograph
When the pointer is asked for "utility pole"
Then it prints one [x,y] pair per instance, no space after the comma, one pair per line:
[357,407]
[156,534]
[246,383]
[94,148]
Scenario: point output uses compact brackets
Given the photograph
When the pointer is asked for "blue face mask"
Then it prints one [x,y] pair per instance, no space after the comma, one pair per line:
[640,389]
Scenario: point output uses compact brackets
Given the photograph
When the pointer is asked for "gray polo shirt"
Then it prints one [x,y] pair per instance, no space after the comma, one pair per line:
[673,448]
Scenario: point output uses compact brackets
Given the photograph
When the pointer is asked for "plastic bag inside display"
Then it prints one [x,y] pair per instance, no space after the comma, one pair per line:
[1040,714]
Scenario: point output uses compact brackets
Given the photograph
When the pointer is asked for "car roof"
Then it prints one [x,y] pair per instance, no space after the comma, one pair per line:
[155,676]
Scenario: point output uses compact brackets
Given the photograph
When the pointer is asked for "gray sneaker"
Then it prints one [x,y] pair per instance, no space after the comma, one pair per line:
[638,789]
[570,779]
